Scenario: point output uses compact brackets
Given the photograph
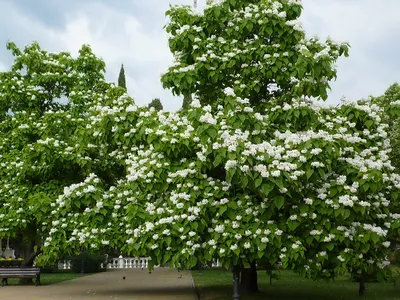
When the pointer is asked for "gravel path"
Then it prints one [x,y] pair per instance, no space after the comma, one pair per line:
[138,284]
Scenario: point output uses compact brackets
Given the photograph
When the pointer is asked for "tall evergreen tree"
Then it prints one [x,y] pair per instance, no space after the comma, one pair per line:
[156,103]
[121,78]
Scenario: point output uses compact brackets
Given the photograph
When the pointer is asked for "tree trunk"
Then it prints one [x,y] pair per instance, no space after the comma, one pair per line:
[362,288]
[29,256]
[26,248]
[249,280]
[236,276]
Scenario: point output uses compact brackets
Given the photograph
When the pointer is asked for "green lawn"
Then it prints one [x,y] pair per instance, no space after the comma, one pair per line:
[216,284]
[49,278]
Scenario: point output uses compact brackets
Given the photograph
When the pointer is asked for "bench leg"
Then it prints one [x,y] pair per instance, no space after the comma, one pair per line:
[37,280]
[4,281]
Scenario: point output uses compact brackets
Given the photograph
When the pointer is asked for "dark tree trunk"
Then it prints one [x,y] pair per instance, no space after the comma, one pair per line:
[362,288]
[27,249]
[236,283]
[249,280]
[29,256]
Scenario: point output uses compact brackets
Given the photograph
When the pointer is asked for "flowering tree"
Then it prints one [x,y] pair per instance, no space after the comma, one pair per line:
[315,198]
[43,100]
[256,47]
[389,102]
[243,179]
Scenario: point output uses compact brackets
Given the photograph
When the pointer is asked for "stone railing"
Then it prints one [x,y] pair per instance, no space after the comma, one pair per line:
[124,263]
[64,265]
[128,263]
[115,263]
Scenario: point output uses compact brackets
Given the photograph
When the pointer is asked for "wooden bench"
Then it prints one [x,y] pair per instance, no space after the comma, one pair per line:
[19,272]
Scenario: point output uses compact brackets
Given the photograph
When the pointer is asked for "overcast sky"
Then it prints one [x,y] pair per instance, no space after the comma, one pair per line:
[131,32]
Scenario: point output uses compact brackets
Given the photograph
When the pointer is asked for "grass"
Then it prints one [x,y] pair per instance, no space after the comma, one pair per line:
[49,278]
[216,284]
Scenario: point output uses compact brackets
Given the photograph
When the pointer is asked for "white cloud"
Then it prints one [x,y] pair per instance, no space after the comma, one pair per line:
[370,27]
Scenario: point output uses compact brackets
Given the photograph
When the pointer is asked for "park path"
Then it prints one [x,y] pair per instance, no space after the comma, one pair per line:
[138,284]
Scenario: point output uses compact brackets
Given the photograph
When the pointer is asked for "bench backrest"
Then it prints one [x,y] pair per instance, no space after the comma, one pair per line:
[20,270]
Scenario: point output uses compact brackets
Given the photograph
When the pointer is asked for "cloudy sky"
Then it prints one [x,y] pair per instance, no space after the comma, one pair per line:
[131,32]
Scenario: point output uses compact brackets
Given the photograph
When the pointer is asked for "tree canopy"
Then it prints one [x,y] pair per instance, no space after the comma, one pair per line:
[45,99]
[258,48]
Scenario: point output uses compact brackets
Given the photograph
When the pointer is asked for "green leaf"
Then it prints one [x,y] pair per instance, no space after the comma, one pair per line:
[212,132]
[303,208]
[279,201]
[229,174]
[258,181]
[262,246]
[330,246]
[218,160]
[309,173]
[194,225]
[267,188]
[244,181]
[222,209]
[293,224]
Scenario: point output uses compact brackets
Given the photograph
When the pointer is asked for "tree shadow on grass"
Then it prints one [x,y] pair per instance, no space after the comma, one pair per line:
[316,292]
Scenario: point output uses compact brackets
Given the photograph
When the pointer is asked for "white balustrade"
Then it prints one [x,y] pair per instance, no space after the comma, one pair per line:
[125,263]
[128,262]
[64,265]
[116,263]
[215,263]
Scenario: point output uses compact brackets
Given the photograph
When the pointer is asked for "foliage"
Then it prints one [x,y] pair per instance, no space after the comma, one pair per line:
[305,182]
[256,47]
[310,184]
[390,101]
[156,104]
[44,100]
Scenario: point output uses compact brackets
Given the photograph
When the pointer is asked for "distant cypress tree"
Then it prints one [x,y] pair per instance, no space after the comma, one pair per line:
[187,99]
[156,103]
[121,78]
